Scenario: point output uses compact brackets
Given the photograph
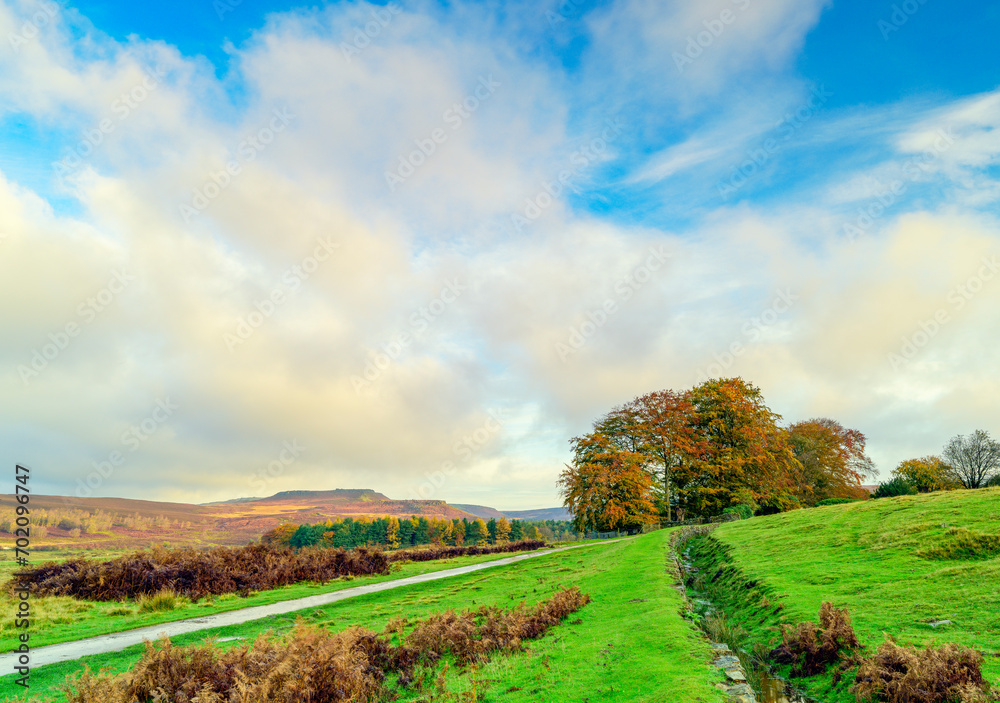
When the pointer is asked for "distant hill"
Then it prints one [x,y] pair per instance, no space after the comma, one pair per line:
[540,514]
[340,495]
[480,511]
[486,513]
[133,524]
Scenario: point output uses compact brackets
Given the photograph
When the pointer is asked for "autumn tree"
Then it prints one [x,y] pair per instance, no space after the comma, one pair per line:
[705,449]
[661,428]
[392,533]
[927,474]
[446,532]
[458,531]
[503,530]
[746,455]
[606,488]
[280,535]
[831,460]
[974,460]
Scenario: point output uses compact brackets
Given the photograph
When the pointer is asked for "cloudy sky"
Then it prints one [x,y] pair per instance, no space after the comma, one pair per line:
[250,246]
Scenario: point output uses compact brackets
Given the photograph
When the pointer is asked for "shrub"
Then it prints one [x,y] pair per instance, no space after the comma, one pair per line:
[744,511]
[196,574]
[811,649]
[836,501]
[164,600]
[909,675]
[315,666]
[894,487]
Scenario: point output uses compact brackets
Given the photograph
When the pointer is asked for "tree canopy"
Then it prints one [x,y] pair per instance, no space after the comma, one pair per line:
[606,488]
[929,473]
[674,454]
[974,459]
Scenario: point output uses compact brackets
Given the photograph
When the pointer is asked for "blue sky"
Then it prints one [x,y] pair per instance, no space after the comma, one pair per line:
[375,229]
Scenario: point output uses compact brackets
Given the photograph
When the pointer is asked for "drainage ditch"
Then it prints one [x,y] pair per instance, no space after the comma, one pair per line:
[748,680]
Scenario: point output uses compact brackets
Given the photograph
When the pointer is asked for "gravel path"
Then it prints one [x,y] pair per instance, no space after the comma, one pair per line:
[117,641]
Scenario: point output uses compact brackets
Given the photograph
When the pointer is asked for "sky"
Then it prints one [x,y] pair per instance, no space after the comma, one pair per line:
[248,247]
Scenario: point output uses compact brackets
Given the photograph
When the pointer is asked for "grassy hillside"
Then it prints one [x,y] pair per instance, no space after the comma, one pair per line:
[898,564]
[629,644]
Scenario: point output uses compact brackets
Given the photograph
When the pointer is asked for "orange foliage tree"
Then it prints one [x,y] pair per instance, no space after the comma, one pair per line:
[280,535]
[700,451]
[746,456]
[832,460]
[666,435]
[606,488]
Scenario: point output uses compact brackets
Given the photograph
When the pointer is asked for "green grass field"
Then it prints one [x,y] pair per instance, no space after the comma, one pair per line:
[629,644]
[898,564]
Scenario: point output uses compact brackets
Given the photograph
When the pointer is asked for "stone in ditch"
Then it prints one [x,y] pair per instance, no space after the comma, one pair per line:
[736,675]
